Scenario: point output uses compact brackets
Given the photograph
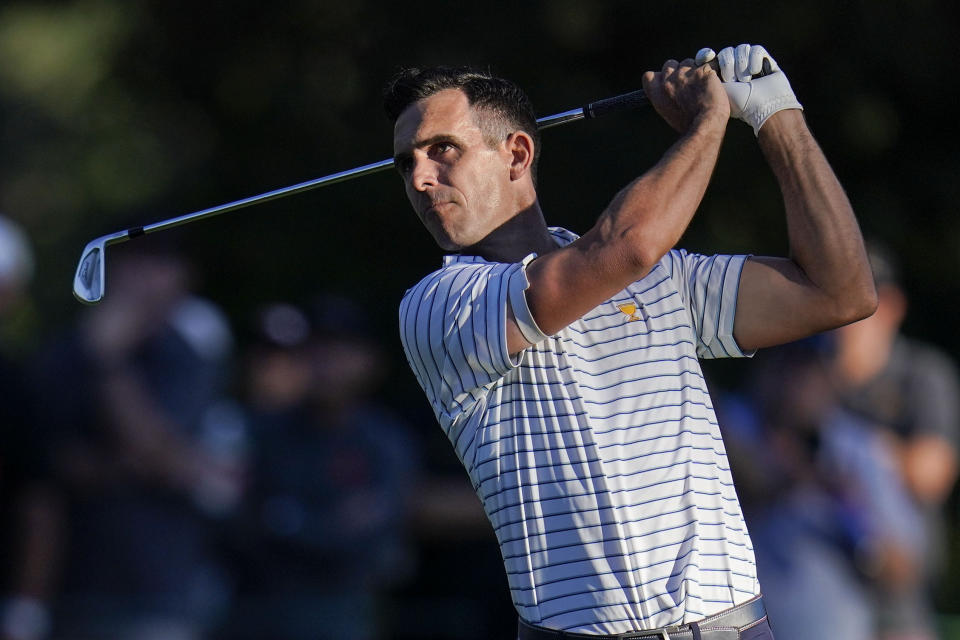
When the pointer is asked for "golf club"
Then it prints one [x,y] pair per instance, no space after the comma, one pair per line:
[89,280]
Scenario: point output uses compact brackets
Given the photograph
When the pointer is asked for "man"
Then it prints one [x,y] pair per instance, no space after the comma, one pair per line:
[564,370]
[322,537]
[907,391]
[136,432]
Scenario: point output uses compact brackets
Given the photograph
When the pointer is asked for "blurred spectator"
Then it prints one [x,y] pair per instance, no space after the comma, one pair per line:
[828,516]
[142,443]
[331,474]
[16,264]
[908,392]
[29,507]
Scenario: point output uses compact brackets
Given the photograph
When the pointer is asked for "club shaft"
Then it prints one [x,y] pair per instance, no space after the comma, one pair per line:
[263,197]
[375,167]
[560,118]
[631,100]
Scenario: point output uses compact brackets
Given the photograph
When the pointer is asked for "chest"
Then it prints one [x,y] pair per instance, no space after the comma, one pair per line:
[644,327]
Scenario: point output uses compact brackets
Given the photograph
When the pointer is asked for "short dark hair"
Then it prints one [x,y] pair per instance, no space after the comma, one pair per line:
[509,106]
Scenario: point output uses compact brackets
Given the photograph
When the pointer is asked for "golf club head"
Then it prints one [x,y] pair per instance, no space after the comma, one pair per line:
[88,282]
[89,279]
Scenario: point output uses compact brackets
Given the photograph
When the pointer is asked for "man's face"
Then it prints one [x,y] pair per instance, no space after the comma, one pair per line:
[457,183]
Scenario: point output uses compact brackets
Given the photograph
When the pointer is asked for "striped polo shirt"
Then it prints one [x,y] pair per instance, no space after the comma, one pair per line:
[595,452]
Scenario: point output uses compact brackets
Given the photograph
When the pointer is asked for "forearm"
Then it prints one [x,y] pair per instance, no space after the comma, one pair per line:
[824,237]
[651,213]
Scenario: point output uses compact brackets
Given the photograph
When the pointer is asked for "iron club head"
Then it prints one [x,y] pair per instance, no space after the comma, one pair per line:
[88,282]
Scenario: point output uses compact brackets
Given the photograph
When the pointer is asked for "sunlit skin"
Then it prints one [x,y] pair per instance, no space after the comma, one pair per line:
[460,186]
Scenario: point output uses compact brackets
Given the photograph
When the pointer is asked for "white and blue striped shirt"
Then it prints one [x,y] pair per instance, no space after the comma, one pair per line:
[596,452]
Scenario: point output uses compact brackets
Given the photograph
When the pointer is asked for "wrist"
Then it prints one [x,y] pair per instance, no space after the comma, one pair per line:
[784,122]
[784,130]
[712,121]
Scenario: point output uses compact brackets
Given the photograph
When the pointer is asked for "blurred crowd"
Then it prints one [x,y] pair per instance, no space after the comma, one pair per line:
[168,473]
[844,451]
[159,484]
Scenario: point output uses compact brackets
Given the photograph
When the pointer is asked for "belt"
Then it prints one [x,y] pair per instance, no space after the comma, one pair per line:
[725,625]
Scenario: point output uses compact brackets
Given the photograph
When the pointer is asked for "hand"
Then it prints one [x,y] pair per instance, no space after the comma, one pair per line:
[755,85]
[683,93]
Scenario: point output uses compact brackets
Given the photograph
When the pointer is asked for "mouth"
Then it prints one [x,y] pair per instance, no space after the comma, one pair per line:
[436,208]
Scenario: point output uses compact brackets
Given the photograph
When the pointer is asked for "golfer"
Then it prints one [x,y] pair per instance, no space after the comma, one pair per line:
[564,369]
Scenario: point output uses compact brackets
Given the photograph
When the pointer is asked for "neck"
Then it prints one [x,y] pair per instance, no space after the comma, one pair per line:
[523,234]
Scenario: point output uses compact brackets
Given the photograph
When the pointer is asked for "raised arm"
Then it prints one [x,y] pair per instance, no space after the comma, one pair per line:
[646,218]
[826,281]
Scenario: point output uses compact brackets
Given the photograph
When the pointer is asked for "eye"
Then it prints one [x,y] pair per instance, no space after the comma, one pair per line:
[441,148]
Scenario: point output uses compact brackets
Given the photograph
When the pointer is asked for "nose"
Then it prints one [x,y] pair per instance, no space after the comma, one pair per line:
[424,174]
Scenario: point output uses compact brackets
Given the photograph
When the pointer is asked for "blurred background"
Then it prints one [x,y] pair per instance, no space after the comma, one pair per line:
[231,445]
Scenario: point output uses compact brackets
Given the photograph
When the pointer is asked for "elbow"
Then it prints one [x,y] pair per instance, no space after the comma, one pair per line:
[643,250]
[871,302]
[642,262]
[858,304]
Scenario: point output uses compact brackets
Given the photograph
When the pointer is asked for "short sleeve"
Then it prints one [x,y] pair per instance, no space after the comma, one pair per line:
[453,330]
[709,286]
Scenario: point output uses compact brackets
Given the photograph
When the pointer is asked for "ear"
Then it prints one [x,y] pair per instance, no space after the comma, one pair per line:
[520,146]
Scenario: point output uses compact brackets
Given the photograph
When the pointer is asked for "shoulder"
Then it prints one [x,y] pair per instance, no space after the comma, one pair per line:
[448,270]
[708,270]
[464,277]
[672,261]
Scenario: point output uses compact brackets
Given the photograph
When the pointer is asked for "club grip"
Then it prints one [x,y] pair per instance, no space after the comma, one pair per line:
[625,102]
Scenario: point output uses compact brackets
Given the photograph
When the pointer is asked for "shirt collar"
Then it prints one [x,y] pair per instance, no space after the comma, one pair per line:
[562,236]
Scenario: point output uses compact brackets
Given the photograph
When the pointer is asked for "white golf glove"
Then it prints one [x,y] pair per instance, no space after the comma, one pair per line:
[752,100]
